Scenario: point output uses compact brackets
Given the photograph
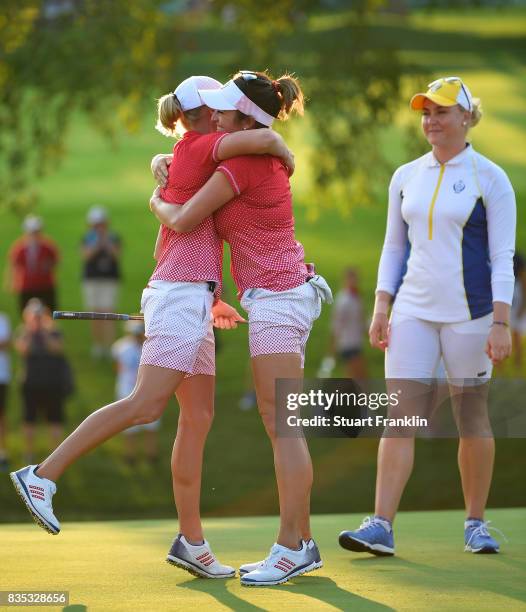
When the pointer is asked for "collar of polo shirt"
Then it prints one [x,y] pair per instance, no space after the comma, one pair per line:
[454,161]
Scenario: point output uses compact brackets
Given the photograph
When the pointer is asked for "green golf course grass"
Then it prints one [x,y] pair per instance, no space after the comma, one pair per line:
[120,566]
[116,175]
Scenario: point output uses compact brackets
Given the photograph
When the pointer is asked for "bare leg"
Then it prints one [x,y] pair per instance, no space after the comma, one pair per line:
[196,401]
[476,449]
[291,455]
[395,464]
[145,404]
[475,462]
[396,448]
[305,530]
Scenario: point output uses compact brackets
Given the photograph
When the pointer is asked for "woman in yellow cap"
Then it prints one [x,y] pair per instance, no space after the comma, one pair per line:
[447,269]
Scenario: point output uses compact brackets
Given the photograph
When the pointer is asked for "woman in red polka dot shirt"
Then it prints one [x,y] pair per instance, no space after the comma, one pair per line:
[251,200]
[178,354]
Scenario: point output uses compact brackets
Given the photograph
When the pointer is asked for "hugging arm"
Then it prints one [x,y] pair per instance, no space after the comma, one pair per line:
[215,193]
[255,142]
[245,142]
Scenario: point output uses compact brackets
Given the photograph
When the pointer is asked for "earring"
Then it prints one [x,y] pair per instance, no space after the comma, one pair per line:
[464,123]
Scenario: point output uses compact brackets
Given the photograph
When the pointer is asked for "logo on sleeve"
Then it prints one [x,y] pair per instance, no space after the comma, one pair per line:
[459,186]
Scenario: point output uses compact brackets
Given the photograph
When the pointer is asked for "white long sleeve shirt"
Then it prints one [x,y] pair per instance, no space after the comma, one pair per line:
[450,238]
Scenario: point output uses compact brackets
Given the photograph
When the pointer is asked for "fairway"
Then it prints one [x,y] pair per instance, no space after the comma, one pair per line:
[120,566]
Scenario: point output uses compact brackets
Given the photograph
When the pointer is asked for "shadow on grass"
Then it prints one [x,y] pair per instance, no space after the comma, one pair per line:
[219,590]
[483,579]
[327,591]
[315,587]
[386,561]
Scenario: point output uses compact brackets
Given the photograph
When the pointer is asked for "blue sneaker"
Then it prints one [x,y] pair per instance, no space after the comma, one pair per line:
[374,536]
[478,539]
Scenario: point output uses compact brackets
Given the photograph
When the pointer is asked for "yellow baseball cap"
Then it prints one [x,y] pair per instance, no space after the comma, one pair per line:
[447,91]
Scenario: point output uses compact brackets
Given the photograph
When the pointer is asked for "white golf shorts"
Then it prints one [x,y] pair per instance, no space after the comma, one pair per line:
[178,328]
[417,346]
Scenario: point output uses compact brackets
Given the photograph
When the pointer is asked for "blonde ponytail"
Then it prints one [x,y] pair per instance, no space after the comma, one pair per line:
[476,113]
[169,112]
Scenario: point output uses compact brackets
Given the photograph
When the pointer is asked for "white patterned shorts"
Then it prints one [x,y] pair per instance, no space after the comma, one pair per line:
[178,327]
[280,321]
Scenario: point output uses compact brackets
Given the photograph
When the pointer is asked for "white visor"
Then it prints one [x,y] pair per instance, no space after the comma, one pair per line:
[230,97]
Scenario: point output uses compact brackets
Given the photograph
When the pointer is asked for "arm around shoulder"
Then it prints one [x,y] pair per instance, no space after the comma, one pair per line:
[182,219]
[251,142]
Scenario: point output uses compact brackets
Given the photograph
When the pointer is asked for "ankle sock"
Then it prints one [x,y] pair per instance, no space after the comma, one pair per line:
[385,522]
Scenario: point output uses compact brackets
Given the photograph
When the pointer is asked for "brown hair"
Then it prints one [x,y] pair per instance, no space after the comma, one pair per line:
[279,98]
[169,112]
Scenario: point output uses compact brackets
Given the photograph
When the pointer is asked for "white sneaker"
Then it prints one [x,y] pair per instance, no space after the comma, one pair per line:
[311,544]
[36,493]
[281,565]
[198,560]
[246,568]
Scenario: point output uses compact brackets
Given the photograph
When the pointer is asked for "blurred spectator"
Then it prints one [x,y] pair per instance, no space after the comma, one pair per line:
[518,308]
[100,251]
[127,355]
[5,378]
[349,327]
[40,345]
[32,261]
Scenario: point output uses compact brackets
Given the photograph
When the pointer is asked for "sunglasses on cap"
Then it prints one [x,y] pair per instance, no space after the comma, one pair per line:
[248,75]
